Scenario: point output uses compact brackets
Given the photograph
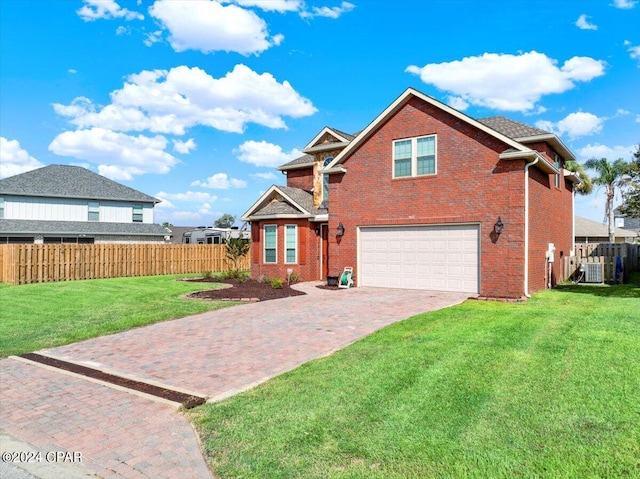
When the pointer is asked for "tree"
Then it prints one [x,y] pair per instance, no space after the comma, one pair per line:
[611,176]
[631,195]
[166,224]
[236,249]
[225,221]
[586,184]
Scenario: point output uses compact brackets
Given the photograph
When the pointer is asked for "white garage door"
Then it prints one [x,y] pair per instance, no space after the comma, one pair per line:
[438,258]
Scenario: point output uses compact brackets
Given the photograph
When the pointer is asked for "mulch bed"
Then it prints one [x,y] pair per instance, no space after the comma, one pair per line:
[250,290]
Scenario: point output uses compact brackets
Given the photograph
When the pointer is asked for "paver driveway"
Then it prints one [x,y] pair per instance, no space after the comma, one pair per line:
[215,354]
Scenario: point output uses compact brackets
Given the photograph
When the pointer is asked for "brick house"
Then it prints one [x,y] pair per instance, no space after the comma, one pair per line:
[424,197]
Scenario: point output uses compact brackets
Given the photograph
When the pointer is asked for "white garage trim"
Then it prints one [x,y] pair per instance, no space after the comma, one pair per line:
[443,257]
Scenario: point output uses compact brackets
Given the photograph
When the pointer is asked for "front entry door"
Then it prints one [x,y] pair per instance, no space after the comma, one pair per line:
[324,234]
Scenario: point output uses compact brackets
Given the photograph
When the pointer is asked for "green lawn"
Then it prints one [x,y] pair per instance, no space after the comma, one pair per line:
[36,316]
[549,388]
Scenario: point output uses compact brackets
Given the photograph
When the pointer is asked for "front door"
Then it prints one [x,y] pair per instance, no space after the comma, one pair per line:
[324,234]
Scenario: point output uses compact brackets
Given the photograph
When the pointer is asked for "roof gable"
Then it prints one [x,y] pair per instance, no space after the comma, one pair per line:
[66,181]
[328,138]
[397,105]
[283,201]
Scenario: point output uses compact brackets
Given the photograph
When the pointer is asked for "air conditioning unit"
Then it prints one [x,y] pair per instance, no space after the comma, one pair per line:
[593,272]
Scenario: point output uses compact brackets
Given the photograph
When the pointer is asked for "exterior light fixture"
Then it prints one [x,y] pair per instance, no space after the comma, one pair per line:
[317,230]
[340,229]
[499,226]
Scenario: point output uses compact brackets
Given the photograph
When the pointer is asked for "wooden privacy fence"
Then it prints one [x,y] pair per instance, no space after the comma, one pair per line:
[604,253]
[39,263]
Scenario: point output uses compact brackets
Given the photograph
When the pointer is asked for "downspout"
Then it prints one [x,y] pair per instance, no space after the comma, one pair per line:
[526,226]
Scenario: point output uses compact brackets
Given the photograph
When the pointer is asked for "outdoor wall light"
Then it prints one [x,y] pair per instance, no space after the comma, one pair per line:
[317,230]
[340,229]
[499,226]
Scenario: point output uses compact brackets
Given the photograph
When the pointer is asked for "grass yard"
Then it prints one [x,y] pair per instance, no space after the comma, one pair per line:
[549,389]
[36,316]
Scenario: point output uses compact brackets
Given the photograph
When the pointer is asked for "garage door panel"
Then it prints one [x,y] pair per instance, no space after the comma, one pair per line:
[441,258]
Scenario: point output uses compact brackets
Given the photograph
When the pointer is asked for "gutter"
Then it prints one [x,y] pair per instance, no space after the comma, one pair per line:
[526,226]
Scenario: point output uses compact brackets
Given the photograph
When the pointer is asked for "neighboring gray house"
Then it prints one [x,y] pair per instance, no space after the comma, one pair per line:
[213,235]
[588,231]
[626,222]
[70,204]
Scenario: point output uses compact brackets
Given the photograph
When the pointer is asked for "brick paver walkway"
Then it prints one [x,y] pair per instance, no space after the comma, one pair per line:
[215,354]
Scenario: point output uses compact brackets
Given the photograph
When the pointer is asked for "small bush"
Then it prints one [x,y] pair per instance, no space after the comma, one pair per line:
[276,283]
[207,274]
[293,278]
[264,279]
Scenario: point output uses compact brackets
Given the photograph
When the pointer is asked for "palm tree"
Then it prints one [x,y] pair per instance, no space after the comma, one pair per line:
[586,184]
[611,176]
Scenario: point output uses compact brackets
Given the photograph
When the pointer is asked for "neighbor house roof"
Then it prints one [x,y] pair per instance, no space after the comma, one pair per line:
[65,181]
[285,202]
[9,227]
[593,229]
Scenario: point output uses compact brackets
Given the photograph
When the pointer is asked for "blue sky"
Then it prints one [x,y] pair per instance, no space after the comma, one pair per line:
[195,102]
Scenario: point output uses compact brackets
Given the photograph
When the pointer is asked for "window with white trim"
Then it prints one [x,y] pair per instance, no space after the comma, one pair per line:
[137,214]
[290,244]
[414,157]
[1,207]
[94,211]
[270,244]
[558,164]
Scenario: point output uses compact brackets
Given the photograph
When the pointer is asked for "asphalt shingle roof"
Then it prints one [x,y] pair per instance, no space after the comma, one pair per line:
[8,227]
[65,181]
[306,160]
[511,128]
[586,227]
[302,198]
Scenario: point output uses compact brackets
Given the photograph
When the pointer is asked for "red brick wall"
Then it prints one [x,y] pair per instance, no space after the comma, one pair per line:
[471,186]
[550,221]
[308,266]
[302,179]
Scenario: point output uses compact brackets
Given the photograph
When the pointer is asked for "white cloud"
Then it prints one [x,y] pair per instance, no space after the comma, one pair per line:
[458,103]
[574,125]
[105,9]
[122,30]
[624,4]
[604,151]
[15,159]
[188,197]
[269,176]
[153,37]
[634,51]
[220,181]
[171,101]
[73,71]
[583,23]
[328,12]
[507,82]
[273,5]
[184,147]
[209,26]
[261,153]
[119,156]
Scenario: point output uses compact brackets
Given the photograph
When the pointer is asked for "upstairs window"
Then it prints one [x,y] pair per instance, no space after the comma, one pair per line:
[137,213]
[270,244]
[94,211]
[414,157]
[1,207]
[558,164]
